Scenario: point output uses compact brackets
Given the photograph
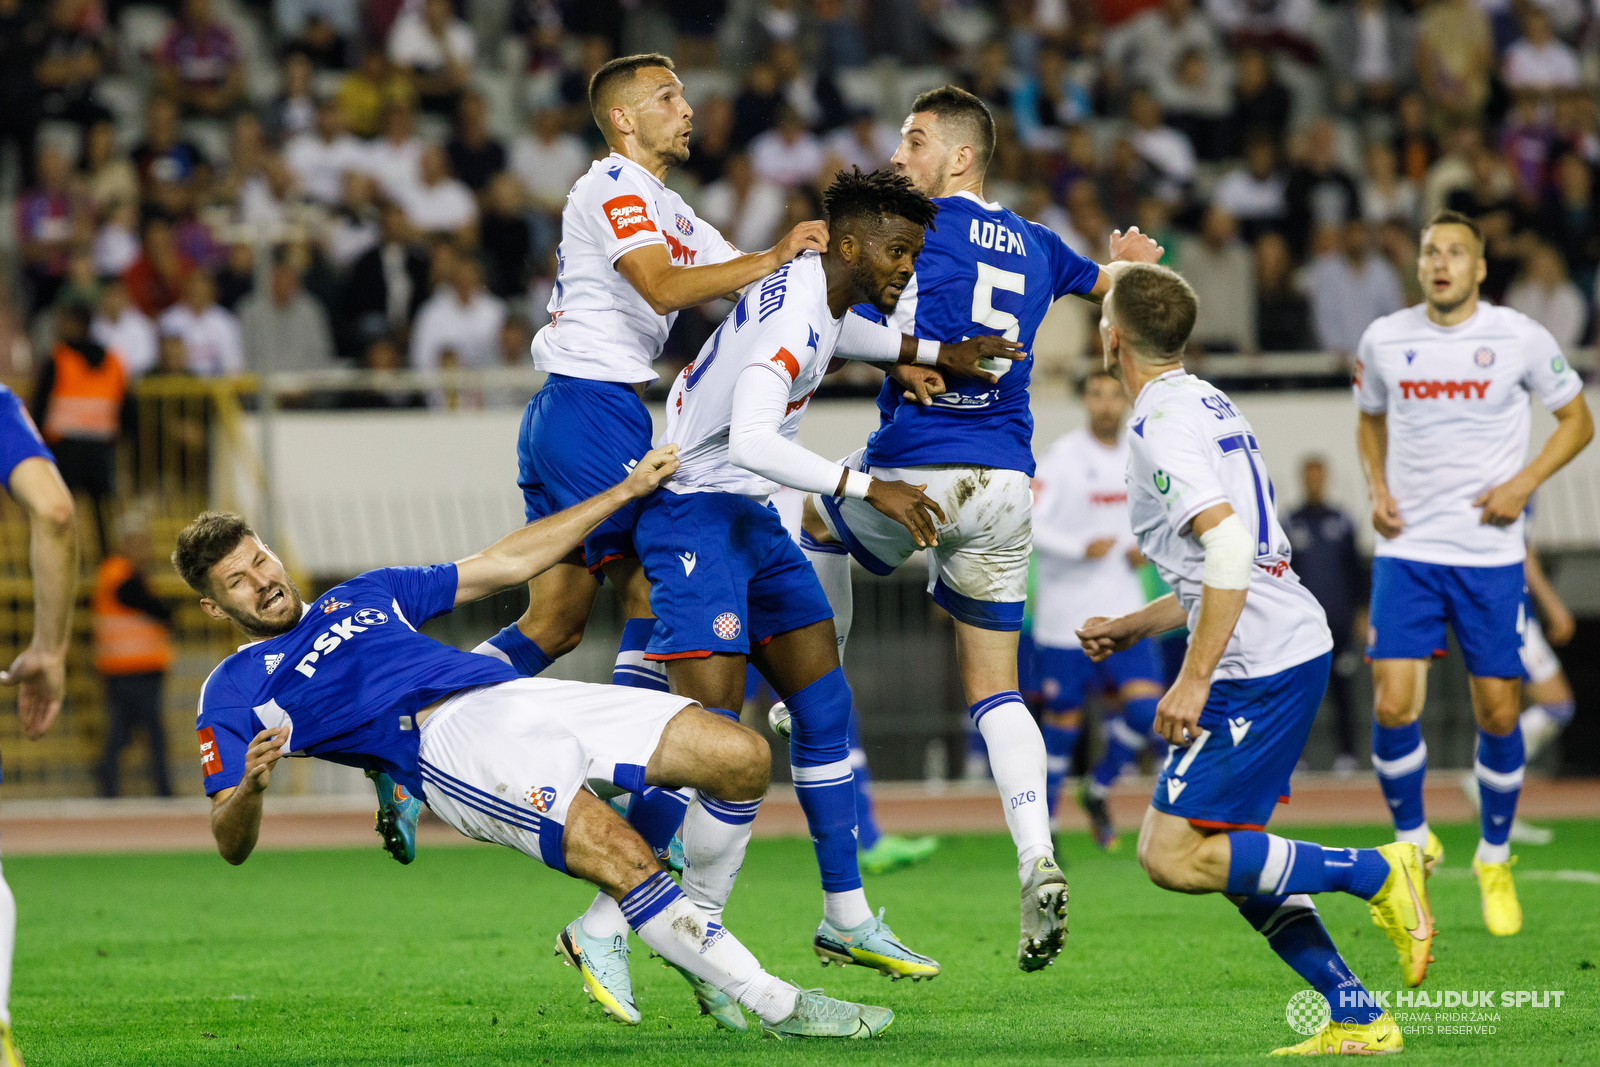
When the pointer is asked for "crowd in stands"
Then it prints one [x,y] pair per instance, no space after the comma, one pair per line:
[286,185]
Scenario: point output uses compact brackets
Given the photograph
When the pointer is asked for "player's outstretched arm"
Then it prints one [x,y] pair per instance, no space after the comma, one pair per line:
[522,554]
[667,287]
[1102,636]
[236,812]
[41,669]
[1372,441]
[875,342]
[1503,504]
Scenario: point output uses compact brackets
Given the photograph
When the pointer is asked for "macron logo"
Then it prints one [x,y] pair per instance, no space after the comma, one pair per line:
[688,560]
[1238,728]
[1175,790]
[273,659]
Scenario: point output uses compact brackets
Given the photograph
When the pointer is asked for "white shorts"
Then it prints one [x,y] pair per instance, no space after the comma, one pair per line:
[979,570]
[501,763]
[1539,663]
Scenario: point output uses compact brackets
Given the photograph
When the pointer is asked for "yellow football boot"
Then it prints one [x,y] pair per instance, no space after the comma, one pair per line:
[1432,854]
[9,1056]
[1501,912]
[1378,1038]
[1400,910]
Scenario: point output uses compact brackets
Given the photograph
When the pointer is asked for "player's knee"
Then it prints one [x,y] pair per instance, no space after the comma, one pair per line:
[749,763]
[555,634]
[1393,705]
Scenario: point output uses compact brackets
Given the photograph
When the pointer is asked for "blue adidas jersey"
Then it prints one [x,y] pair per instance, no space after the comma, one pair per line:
[19,437]
[347,680]
[983,270]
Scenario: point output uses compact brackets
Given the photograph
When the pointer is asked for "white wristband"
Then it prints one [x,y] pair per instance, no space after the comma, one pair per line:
[1230,555]
[927,352]
[856,484]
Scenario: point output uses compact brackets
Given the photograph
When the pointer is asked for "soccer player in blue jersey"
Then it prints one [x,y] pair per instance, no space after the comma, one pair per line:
[515,761]
[40,670]
[983,271]
[1252,678]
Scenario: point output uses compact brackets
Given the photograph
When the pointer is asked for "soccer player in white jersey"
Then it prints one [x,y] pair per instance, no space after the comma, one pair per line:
[1252,678]
[515,761]
[1088,562]
[1443,393]
[985,271]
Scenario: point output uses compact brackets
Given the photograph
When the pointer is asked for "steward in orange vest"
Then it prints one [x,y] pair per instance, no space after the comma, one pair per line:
[132,651]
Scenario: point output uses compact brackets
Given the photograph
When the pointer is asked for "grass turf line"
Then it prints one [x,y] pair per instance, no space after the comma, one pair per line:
[343,957]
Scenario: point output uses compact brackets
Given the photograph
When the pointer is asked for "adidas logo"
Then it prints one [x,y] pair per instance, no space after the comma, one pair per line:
[273,659]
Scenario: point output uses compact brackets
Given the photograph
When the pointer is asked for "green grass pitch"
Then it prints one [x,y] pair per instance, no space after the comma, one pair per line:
[343,957]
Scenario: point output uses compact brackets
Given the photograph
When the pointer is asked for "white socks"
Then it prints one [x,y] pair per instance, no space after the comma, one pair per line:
[604,918]
[681,934]
[832,564]
[1017,761]
[847,909]
[1417,835]
[1488,853]
[715,835]
[8,945]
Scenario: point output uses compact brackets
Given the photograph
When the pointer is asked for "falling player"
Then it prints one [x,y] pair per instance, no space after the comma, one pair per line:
[1252,678]
[1443,392]
[349,678]
[1087,565]
[986,271]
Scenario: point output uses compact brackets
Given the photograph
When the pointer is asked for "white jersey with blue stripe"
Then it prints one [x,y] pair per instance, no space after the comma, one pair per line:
[1190,449]
[347,680]
[984,270]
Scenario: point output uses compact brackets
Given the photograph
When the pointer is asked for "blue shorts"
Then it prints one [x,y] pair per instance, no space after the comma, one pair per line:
[1253,731]
[1412,602]
[724,575]
[580,438]
[19,438]
[1068,675]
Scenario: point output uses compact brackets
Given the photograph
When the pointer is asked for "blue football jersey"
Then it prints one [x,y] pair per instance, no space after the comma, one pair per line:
[347,681]
[983,270]
[19,437]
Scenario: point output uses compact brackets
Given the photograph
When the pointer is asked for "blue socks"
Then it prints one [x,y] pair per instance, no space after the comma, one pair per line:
[1126,736]
[655,813]
[819,759]
[1262,863]
[1499,768]
[631,668]
[1400,757]
[1295,932]
[528,658]
[1059,744]
[866,823]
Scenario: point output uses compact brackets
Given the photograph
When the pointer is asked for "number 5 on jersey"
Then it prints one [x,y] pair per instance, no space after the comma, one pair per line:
[984,313]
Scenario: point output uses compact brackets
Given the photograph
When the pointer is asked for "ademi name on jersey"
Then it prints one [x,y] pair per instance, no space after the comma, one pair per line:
[338,634]
[995,236]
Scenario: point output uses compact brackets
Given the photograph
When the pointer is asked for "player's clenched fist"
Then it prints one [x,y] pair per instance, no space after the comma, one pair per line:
[806,237]
[908,505]
[266,748]
[1178,713]
[656,467]
[1385,513]
[1101,637]
[1134,247]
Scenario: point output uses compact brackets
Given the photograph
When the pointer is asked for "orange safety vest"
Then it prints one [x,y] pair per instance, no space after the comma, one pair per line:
[85,401]
[126,641]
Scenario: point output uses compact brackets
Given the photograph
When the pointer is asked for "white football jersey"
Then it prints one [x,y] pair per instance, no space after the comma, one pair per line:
[600,327]
[1456,398]
[1190,449]
[782,323]
[1080,495]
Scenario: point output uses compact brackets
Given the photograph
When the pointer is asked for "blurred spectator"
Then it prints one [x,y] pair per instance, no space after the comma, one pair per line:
[515,337]
[1575,124]
[547,160]
[1219,267]
[1371,47]
[1570,219]
[475,157]
[322,157]
[1455,57]
[1490,189]
[1453,168]
[198,65]
[212,342]
[789,154]
[395,159]
[1165,149]
[461,319]
[1385,194]
[1398,244]
[1260,101]
[293,110]
[44,228]
[108,176]
[1255,195]
[1155,219]
[505,238]
[324,29]
[163,155]
[713,140]
[1121,186]
[366,95]
[1415,148]
[71,60]
[383,354]
[1320,192]
[81,404]
[1548,297]
[1037,207]
[1527,143]
[1539,61]
[840,42]
[1145,48]
[285,328]
[438,203]
[757,107]
[237,276]
[1047,102]
[156,279]
[992,76]
[1351,286]
[815,99]
[1196,99]
[19,88]
[353,229]
[1284,25]
[132,654]
[865,142]
[383,289]
[124,329]
[593,53]
[1283,314]
[438,49]
[743,206]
